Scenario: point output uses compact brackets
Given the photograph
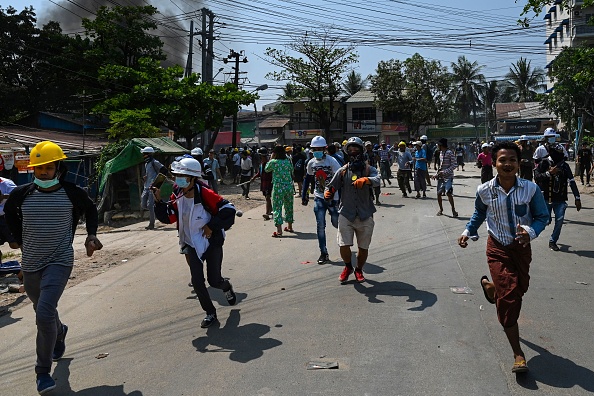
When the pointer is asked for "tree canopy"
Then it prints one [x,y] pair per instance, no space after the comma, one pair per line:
[416,89]
[524,82]
[572,74]
[163,97]
[315,70]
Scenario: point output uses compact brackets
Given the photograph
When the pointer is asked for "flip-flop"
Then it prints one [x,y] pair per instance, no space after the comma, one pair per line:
[485,290]
[440,213]
[289,230]
[520,367]
[455,214]
[277,235]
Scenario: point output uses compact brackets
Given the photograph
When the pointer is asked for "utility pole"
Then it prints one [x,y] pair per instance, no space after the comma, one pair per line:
[235,55]
[190,51]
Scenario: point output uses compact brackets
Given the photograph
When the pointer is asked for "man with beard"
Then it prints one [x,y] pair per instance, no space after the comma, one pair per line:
[552,176]
[356,209]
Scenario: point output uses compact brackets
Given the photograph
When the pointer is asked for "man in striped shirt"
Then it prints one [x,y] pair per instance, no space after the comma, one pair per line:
[445,176]
[42,217]
[516,213]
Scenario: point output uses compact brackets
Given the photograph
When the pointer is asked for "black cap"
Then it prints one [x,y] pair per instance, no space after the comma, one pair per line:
[443,142]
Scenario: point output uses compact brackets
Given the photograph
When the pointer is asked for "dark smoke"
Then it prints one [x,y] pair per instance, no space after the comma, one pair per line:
[69,14]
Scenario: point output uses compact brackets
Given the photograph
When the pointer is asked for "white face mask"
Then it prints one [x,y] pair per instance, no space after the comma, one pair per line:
[182,181]
[46,183]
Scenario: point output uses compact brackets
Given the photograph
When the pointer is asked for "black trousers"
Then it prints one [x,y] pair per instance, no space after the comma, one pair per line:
[585,168]
[214,259]
[486,173]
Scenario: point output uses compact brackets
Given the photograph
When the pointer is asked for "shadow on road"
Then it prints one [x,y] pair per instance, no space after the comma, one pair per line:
[243,343]
[62,377]
[373,289]
[582,253]
[555,371]
[5,312]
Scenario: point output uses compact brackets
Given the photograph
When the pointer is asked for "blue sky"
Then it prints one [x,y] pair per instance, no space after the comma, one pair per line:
[483,31]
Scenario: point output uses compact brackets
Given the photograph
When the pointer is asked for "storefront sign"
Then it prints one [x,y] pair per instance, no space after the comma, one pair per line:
[364,126]
[303,134]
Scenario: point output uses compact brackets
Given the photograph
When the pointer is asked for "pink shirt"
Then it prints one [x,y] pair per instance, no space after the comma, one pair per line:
[485,159]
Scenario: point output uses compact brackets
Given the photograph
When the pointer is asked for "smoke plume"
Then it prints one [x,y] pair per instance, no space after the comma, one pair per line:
[174,32]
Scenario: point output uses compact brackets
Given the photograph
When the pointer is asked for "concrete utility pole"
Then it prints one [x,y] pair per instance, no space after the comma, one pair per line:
[235,55]
[207,34]
[190,51]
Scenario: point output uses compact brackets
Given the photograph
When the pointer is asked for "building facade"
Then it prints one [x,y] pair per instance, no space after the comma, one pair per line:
[566,27]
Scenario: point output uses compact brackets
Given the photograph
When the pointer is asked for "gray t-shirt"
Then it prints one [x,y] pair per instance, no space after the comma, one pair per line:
[355,202]
[47,230]
[152,170]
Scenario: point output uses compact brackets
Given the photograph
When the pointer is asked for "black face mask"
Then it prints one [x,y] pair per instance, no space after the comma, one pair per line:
[148,159]
[356,162]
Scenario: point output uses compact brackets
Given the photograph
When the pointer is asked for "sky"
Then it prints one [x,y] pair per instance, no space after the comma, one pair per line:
[483,31]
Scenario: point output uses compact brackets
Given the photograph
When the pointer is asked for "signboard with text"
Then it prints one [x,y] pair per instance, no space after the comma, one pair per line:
[364,126]
[302,134]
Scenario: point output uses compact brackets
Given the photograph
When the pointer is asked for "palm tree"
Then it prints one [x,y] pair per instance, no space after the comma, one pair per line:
[290,91]
[354,83]
[467,83]
[524,82]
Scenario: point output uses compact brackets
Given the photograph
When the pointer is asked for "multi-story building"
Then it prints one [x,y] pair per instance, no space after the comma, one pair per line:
[567,27]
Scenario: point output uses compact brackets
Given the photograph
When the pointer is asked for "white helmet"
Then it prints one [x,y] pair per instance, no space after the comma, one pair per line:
[485,145]
[424,137]
[196,151]
[318,141]
[550,132]
[187,167]
[523,137]
[148,150]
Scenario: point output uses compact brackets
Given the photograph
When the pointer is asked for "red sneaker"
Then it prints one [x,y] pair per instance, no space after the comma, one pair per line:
[346,272]
[359,275]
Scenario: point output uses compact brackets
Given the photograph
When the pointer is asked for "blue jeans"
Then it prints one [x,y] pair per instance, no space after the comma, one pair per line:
[148,202]
[44,288]
[320,208]
[559,209]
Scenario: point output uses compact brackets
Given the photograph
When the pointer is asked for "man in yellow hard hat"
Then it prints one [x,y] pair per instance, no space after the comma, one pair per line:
[42,216]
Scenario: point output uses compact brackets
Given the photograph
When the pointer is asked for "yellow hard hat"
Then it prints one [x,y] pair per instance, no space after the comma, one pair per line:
[44,153]
[344,142]
[402,144]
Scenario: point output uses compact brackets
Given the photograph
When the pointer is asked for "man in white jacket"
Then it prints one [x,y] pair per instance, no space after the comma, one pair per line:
[202,217]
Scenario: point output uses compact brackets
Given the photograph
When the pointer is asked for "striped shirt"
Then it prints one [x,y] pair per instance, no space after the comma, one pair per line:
[448,163]
[384,154]
[523,204]
[47,230]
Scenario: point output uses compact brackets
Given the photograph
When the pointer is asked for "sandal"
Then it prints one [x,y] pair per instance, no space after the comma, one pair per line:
[491,300]
[454,214]
[277,234]
[520,367]
[289,229]
[440,213]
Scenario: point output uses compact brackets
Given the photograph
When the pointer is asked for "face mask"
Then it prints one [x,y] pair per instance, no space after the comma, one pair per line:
[46,183]
[181,181]
[551,140]
[147,158]
[318,154]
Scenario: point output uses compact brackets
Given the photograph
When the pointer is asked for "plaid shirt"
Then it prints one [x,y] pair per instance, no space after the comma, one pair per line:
[448,164]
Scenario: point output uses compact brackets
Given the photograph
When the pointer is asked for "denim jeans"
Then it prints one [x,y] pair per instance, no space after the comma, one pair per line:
[214,259]
[44,288]
[320,208]
[148,202]
[559,209]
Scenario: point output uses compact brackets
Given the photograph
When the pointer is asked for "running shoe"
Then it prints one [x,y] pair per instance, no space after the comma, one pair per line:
[359,275]
[346,272]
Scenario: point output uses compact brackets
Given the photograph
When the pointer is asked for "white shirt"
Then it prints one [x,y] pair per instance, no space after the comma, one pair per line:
[6,186]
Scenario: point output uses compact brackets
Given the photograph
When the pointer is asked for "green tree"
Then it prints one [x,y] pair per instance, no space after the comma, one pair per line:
[166,98]
[572,74]
[491,95]
[524,82]
[415,88]
[316,72]
[354,83]
[536,7]
[122,35]
[467,82]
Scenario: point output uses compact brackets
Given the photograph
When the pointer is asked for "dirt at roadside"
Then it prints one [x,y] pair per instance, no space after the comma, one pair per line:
[123,241]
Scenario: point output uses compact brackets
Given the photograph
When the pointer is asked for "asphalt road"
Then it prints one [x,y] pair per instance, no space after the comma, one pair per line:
[402,332]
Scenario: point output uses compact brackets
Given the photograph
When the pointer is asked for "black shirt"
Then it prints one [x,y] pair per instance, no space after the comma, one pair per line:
[585,156]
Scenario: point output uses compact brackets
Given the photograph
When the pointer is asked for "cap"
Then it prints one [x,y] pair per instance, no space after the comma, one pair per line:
[443,142]
[147,150]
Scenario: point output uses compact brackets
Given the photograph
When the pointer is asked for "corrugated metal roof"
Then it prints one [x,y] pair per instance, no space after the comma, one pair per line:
[364,95]
[273,122]
[67,141]
[521,111]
